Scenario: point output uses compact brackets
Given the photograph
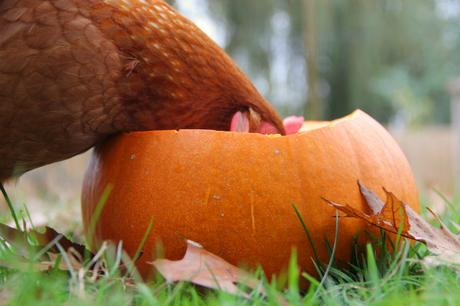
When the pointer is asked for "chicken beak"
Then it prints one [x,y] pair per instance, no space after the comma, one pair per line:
[240,122]
[250,121]
[245,122]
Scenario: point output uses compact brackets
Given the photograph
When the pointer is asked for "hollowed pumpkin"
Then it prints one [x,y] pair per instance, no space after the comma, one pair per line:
[234,192]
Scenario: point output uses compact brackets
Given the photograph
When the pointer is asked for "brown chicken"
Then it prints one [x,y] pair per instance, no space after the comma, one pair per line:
[73,72]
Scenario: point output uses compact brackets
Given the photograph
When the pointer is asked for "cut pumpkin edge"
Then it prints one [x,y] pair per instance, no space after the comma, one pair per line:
[308,127]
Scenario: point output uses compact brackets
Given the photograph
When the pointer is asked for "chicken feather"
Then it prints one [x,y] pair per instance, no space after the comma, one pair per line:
[74,72]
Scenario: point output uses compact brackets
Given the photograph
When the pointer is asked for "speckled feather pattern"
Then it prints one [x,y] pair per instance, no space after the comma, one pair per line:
[73,72]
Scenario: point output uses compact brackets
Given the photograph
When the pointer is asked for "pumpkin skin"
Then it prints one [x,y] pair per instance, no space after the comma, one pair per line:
[234,192]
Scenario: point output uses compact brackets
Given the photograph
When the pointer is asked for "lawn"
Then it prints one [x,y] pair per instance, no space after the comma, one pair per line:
[371,278]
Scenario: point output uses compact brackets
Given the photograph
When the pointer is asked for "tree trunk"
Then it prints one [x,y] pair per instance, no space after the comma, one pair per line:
[313,105]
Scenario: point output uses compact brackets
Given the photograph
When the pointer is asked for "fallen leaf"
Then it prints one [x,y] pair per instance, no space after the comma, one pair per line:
[45,264]
[50,234]
[203,268]
[374,202]
[74,262]
[390,216]
[19,238]
[43,253]
[397,217]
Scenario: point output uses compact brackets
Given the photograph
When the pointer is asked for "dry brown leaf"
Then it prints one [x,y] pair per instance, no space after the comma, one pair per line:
[18,238]
[396,216]
[47,243]
[374,202]
[203,268]
[390,216]
[20,263]
[45,264]
[75,262]
[50,234]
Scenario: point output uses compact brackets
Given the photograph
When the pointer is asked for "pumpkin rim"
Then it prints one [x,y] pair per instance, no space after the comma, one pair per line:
[326,124]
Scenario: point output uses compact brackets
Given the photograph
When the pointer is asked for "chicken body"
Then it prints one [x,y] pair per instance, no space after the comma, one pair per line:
[73,72]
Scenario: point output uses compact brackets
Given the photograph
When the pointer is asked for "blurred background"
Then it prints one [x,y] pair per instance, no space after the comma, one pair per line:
[398,60]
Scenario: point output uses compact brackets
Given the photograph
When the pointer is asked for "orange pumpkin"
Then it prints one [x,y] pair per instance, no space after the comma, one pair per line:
[234,192]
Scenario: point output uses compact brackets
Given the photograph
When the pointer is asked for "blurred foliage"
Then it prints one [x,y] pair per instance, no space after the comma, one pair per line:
[391,58]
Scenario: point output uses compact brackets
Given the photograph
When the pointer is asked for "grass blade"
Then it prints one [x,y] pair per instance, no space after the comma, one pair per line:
[97,214]
[331,260]
[307,232]
[10,206]
[144,238]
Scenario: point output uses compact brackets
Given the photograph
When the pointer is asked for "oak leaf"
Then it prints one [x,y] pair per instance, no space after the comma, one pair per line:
[395,216]
[203,268]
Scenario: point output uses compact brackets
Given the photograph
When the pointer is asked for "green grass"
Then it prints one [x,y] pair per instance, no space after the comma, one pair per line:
[371,278]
